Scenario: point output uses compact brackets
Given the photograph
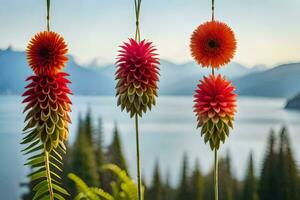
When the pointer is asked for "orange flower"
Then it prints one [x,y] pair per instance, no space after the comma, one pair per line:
[215,106]
[46,53]
[213,44]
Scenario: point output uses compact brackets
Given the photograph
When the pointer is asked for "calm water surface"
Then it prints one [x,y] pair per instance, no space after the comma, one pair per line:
[166,133]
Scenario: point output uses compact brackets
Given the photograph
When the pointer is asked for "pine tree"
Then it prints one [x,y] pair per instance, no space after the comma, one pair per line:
[156,190]
[83,162]
[268,181]
[250,188]
[209,186]
[184,191]
[88,126]
[225,179]
[168,192]
[99,152]
[197,183]
[115,153]
[287,170]
[237,188]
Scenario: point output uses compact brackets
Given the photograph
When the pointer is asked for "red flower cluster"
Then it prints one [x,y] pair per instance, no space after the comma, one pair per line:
[213,44]
[47,93]
[215,106]
[137,75]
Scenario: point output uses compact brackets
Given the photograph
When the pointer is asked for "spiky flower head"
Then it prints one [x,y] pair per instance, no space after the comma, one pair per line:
[46,53]
[137,76]
[48,106]
[215,106]
[213,44]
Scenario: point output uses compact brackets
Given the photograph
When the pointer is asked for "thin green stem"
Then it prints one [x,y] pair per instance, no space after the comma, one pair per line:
[213,10]
[138,158]
[137,4]
[48,175]
[216,188]
[48,15]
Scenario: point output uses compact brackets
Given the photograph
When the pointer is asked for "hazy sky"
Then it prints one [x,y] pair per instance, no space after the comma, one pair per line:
[268,31]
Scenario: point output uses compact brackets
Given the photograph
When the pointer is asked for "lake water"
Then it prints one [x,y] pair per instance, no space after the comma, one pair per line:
[166,133]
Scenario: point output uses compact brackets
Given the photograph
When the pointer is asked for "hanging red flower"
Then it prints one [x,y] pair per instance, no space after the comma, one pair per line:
[48,106]
[46,53]
[213,44]
[137,76]
[215,106]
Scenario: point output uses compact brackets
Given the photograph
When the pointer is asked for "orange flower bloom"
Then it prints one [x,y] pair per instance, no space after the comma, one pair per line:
[213,44]
[46,53]
[215,106]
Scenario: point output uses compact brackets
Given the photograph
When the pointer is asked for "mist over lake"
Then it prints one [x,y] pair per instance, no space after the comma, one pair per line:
[167,132]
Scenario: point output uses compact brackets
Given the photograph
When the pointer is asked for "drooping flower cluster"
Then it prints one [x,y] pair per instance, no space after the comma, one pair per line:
[47,93]
[137,76]
[213,44]
[215,106]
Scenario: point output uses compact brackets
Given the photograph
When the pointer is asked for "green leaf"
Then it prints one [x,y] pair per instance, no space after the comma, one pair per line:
[37,175]
[35,161]
[39,185]
[34,149]
[42,190]
[58,196]
[33,144]
[60,189]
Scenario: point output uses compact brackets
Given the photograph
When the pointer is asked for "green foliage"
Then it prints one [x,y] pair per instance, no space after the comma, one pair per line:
[156,191]
[225,179]
[115,152]
[267,185]
[45,180]
[279,175]
[250,185]
[287,170]
[99,153]
[197,183]
[184,191]
[83,161]
[123,189]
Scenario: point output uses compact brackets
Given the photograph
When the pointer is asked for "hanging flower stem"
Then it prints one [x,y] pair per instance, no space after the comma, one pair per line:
[216,188]
[48,15]
[216,184]
[213,10]
[47,163]
[137,4]
[138,157]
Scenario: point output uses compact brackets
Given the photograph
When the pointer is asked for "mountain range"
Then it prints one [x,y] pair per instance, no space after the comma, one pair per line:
[176,79]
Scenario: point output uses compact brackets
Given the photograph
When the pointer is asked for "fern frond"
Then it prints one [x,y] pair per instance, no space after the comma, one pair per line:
[83,188]
[124,189]
[45,166]
[102,193]
[128,187]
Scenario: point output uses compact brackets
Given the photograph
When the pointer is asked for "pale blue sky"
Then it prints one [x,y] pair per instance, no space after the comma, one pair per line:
[268,31]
